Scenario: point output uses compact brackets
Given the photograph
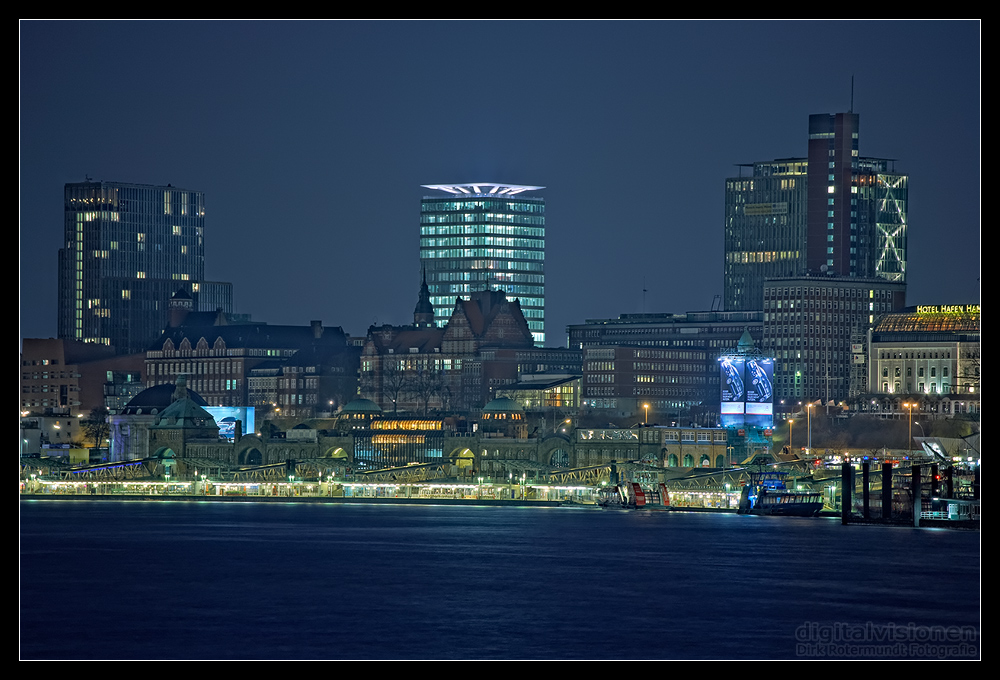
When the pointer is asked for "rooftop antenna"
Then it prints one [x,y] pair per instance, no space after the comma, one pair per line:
[643,294]
[852,94]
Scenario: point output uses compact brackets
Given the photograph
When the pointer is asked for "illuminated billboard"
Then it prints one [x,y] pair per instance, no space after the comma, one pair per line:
[226,417]
[747,390]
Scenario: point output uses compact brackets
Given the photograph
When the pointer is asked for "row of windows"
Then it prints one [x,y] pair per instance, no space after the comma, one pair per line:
[480,218]
[914,355]
[511,289]
[671,379]
[870,293]
[658,366]
[491,276]
[475,229]
[200,367]
[448,205]
[499,253]
[147,200]
[920,372]
[470,241]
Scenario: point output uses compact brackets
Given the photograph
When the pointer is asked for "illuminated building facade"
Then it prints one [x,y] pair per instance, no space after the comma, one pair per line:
[398,442]
[485,236]
[927,351]
[833,212]
[746,380]
[127,249]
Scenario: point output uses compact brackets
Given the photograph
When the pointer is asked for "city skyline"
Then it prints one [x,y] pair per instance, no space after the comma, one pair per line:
[290,129]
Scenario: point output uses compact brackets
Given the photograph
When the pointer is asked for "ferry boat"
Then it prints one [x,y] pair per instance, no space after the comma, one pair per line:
[767,494]
[631,496]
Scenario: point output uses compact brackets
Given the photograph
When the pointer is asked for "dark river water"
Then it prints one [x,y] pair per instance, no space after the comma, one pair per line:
[189,580]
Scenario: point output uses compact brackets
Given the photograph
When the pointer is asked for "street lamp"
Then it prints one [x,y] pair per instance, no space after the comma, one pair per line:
[809,443]
[909,419]
[646,407]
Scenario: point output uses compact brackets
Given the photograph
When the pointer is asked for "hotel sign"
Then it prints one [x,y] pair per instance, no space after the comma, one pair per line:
[948,309]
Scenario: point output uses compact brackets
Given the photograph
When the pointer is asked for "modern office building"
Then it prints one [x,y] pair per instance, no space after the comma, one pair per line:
[832,213]
[766,229]
[666,361]
[815,326]
[127,249]
[485,236]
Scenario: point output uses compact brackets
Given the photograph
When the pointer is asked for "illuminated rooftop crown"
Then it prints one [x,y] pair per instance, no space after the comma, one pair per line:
[482,188]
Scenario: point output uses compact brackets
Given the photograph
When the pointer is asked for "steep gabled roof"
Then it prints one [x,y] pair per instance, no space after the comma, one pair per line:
[401,339]
[484,307]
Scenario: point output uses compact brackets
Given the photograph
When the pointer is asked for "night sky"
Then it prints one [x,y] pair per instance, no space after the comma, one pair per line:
[311,141]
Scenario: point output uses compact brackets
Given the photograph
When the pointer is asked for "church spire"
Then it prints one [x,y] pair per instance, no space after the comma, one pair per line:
[423,313]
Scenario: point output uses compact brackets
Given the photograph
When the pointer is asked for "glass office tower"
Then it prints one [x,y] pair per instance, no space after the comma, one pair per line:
[127,249]
[833,213]
[485,235]
[766,229]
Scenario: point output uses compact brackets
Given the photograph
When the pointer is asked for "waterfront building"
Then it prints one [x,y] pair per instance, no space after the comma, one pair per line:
[701,447]
[483,236]
[833,212]
[929,355]
[129,428]
[127,248]
[172,424]
[812,327]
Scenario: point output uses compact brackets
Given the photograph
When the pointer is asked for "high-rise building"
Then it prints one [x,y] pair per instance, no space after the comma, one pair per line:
[127,250]
[833,213]
[815,327]
[766,235]
[484,236]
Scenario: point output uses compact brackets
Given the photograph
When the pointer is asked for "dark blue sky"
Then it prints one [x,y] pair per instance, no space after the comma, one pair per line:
[311,141]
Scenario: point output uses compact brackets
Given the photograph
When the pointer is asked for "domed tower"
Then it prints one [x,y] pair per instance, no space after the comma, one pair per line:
[358,414]
[503,417]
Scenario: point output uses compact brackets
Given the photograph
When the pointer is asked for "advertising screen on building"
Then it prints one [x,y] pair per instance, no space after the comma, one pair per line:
[731,379]
[747,391]
[759,380]
[226,417]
